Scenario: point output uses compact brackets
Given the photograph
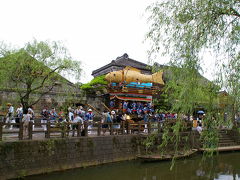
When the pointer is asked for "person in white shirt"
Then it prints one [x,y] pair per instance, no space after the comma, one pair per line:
[70,115]
[26,119]
[10,115]
[19,111]
[78,110]
[76,120]
[199,128]
[30,110]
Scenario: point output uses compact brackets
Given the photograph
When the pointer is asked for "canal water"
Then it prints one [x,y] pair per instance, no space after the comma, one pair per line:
[225,166]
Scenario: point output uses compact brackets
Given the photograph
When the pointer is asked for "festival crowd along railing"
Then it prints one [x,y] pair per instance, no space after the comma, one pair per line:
[65,129]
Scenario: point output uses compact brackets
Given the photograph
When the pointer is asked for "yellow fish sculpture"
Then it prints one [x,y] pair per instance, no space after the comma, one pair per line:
[130,74]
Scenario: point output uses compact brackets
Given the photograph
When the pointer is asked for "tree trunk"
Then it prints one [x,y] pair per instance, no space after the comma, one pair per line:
[24,100]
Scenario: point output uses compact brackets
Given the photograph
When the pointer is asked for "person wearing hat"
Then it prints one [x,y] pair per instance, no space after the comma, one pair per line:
[114,120]
[89,118]
[10,115]
[113,116]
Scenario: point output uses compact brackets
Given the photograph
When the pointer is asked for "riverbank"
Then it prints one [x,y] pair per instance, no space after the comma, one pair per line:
[24,158]
[29,157]
[224,166]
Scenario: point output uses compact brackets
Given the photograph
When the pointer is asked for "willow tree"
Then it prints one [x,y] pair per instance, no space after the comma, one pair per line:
[185,29]
[34,70]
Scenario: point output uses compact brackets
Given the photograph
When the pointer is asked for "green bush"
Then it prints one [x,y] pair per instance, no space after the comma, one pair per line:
[100,80]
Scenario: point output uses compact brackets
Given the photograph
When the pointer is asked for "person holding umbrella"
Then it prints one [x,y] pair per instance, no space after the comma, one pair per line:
[200,112]
[200,116]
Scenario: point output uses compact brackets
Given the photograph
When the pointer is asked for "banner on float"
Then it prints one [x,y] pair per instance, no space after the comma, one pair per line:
[131,97]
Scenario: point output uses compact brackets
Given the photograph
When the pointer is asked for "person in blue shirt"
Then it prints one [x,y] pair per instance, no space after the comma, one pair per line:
[125,106]
[112,104]
[89,115]
[53,115]
[149,105]
[145,119]
[134,105]
[145,109]
[89,118]
[106,119]
[139,105]
[129,110]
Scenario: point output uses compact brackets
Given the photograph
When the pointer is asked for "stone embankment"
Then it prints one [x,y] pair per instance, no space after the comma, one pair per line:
[28,157]
[23,158]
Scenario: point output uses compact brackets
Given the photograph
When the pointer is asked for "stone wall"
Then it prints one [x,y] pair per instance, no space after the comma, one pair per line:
[22,158]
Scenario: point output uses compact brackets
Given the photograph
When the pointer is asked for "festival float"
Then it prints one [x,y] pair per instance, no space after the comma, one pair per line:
[131,86]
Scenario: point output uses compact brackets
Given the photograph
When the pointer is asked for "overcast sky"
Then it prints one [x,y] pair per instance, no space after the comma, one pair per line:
[94,31]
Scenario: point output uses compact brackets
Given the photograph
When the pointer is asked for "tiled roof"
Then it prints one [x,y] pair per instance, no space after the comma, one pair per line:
[123,61]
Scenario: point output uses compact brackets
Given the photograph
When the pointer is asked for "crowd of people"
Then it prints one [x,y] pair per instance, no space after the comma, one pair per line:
[72,116]
[133,107]
[143,111]
[46,115]
[116,113]
[17,116]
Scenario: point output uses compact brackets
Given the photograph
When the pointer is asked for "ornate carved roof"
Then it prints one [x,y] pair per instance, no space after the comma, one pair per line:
[120,63]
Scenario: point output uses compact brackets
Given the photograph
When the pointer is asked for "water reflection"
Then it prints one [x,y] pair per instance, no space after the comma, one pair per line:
[223,167]
[227,177]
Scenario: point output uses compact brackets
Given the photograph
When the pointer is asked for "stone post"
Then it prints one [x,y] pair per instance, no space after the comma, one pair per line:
[63,133]
[30,130]
[20,133]
[128,127]
[86,128]
[48,129]
[79,129]
[123,127]
[139,127]
[111,128]
[99,128]
[159,127]
[149,127]
[1,130]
